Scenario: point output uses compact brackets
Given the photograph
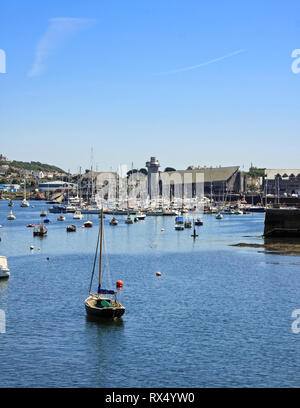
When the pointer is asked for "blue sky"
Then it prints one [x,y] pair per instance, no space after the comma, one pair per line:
[191,82]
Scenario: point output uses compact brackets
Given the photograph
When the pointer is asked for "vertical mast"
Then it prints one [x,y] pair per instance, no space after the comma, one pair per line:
[100,258]
[92,159]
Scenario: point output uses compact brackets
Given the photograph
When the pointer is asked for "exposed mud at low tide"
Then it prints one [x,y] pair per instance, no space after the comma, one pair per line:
[275,246]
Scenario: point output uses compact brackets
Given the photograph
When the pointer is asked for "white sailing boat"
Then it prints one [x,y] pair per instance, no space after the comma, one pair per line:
[11,216]
[24,202]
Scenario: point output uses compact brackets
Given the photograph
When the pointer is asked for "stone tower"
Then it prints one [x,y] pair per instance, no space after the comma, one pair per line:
[153,177]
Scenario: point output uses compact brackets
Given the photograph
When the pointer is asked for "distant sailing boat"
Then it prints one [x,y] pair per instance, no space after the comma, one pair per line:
[99,305]
[194,235]
[24,202]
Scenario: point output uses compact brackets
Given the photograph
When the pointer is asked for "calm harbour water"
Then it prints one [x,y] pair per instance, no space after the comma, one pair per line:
[219,316]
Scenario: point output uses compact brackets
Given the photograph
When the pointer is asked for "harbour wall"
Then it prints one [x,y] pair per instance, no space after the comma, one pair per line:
[282,223]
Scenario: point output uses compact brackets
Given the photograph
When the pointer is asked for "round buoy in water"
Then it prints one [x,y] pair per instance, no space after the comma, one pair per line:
[119,284]
[162,230]
[47,258]
[158,273]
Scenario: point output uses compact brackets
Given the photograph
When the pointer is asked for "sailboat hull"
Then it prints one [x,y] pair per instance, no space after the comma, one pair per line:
[107,312]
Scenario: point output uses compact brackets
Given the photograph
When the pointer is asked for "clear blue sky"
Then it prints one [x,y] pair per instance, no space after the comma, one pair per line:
[191,82]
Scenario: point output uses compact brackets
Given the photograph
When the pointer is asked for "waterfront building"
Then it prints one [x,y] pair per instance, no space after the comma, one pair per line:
[195,182]
[51,186]
[281,182]
[218,181]
[10,188]
[210,181]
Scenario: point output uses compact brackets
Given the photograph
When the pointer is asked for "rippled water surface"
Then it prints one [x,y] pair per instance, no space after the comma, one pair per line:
[218,316]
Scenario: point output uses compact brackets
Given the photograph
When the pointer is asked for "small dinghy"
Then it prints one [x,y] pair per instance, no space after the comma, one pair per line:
[198,222]
[88,224]
[187,224]
[129,219]
[113,221]
[61,218]
[71,228]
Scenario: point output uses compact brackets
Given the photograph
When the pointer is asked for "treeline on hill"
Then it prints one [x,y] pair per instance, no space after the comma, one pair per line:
[33,166]
[255,172]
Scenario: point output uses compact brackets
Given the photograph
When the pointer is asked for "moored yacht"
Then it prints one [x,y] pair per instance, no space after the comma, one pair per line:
[11,216]
[4,271]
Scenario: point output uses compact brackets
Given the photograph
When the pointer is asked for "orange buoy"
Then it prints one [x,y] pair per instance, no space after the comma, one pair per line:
[158,273]
[119,284]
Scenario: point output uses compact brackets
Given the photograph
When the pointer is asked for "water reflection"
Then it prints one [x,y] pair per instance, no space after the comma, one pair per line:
[103,322]
[3,291]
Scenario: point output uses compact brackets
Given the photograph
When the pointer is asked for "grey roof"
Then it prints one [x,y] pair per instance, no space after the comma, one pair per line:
[211,174]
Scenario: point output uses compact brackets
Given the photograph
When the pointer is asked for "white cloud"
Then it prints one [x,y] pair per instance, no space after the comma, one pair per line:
[202,64]
[58,32]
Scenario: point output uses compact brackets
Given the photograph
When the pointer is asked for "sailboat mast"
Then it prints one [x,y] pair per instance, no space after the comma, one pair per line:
[101,240]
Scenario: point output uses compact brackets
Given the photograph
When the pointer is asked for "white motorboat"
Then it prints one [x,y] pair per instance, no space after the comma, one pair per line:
[11,216]
[4,271]
[140,216]
[77,215]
